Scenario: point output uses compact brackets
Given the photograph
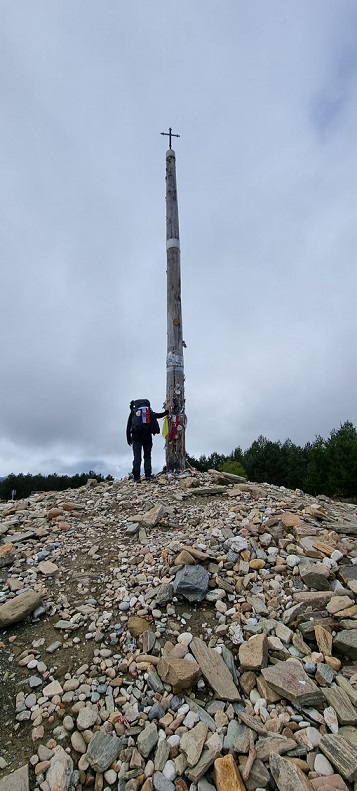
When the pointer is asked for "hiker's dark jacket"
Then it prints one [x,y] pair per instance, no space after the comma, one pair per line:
[138,435]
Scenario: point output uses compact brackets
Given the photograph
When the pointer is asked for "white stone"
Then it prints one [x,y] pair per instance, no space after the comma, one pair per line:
[323,766]
[185,638]
[169,771]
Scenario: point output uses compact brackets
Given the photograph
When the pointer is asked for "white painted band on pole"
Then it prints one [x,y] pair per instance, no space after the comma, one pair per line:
[170,153]
[173,243]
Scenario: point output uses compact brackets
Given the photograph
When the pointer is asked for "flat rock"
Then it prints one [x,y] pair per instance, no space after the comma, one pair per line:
[253,655]
[347,687]
[347,573]
[226,775]
[337,698]
[287,776]
[47,568]
[330,783]
[153,516]
[19,607]
[324,640]
[341,754]
[208,757]
[268,745]
[180,673]
[53,688]
[192,743]
[147,739]
[60,771]
[16,781]
[191,582]
[345,642]
[214,670]
[87,717]
[102,750]
[338,603]
[315,575]
[290,680]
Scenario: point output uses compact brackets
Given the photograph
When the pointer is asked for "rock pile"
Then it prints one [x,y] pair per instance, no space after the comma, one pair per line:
[194,633]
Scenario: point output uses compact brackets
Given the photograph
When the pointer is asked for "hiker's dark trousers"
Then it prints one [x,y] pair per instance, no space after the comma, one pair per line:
[146,445]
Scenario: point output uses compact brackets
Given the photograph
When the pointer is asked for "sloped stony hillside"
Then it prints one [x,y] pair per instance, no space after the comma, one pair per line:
[193,632]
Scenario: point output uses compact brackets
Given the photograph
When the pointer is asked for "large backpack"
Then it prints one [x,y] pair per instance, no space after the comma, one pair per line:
[143,422]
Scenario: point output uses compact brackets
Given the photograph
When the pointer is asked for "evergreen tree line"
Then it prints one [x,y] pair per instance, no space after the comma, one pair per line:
[321,467]
[23,485]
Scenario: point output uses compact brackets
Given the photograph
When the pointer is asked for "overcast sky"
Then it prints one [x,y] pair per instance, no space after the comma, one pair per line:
[264,96]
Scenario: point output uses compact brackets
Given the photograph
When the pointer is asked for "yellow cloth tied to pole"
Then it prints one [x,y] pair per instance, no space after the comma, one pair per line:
[165,427]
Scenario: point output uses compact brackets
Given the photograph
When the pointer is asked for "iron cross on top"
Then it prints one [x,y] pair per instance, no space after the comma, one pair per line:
[169,134]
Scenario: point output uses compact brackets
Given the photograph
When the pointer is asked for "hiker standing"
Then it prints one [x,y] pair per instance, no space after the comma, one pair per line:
[142,424]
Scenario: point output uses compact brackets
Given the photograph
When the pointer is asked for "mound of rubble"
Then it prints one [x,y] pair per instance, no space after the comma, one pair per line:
[195,632]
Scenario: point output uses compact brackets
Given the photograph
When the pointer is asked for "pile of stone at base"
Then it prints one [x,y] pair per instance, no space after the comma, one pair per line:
[210,635]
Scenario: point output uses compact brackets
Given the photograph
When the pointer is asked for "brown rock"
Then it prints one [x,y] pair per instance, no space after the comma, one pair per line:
[324,640]
[214,670]
[291,520]
[227,776]
[330,783]
[273,744]
[256,563]
[53,512]
[290,680]
[19,608]
[287,776]
[253,655]
[180,673]
[247,681]
[7,554]
[196,553]
[266,691]
[184,559]
[137,625]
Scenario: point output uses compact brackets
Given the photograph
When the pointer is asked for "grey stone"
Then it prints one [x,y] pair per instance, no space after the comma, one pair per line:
[191,582]
[337,698]
[161,783]
[16,781]
[161,755]
[87,717]
[202,713]
[214,670]
[147,739]
[156,712]
[165,593]
[207,759]
[345,642]
[258,777]
[154,682]
[324,674]
[234,730]
[347,573]
[315,575]
[103,749]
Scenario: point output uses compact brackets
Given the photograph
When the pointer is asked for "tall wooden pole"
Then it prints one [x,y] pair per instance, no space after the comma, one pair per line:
[175,379]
